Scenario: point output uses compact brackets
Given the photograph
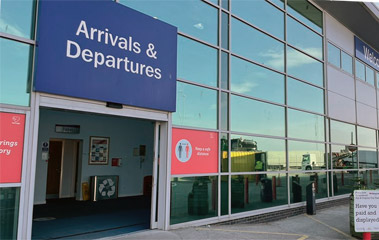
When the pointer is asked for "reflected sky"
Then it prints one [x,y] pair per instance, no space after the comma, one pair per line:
[366,137]
[342,133]
[305,125]
[359,70]
[347,62]
[195,18]
[195,106]
[253,80]
[14,72]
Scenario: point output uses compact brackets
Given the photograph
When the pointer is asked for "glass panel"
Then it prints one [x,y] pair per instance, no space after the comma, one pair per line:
[193,198]
[334,55]
[370,179]
[307,13]
[344,182]
[224,195]
[224,70]
[303,38]
[368,158]
[195,18]
[225,30]
[9,208]
[225,4]
[370,77]
[366,137]
[251,192]
[359,70]
[305,96]
[300,181]
[301,66]
[342,133]
[17,18]
[305,125]
[195,106]
[252,44]
[214,1]
[306,156]
[253,80]
[224,111]
[197,62]
[256,117]
[224,148]
[347,62]
[377,79]
[14,72]
[251,154]
[344,157]
[256,12]
[279,3]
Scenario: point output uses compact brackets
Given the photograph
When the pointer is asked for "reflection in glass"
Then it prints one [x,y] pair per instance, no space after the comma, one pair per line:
[368,158]
[251,192]
[224,70]
[307,13]
[305,96]
[342,133]
[344,157]
[193,198]
[197,62]
[370,77]
[17,18]
[256,12]
[224,195]
[224,111]
[306,156]
[334,55]
[257,46]
[344,182]
[252,116]
[370,178]
[9,209]
[279,3]
[347,62]
[300,181]
[359,70]
[305,126]
[253,80]
[303,38]
[366,137]
[195,18]
[224,149]
[251,154]
[225,30]
[195,106]
[225,4]
[14,72]
[306,68]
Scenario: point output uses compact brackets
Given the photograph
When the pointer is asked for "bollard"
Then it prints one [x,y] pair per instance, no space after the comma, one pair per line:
[366,236]
[273,187]
[247,190]
[311,199]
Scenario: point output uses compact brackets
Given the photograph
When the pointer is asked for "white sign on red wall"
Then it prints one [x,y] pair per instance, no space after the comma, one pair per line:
[12,127]
[194,151]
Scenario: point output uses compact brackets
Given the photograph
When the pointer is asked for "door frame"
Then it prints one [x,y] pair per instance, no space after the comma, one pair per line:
[90,106]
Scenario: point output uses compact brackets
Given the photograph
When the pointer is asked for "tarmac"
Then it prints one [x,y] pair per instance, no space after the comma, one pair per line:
[329,223]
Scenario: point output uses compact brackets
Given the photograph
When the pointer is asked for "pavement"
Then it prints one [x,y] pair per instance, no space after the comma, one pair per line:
[329,223]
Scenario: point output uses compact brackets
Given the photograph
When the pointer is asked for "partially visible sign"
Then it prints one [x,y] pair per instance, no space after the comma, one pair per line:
[12,127]
[72,129]
[194,152]
[104,51]
[366,210]
[366,54]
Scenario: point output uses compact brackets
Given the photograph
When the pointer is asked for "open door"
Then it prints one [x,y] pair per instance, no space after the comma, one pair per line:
[154,195]
[54,169]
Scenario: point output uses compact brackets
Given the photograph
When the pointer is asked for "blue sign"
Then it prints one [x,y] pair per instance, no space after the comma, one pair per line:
[366,54]
[104,51]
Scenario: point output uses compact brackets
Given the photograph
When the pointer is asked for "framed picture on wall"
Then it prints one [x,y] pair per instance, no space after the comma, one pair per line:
[98,150]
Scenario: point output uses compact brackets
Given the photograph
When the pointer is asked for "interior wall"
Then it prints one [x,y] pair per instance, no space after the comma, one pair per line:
[125,134]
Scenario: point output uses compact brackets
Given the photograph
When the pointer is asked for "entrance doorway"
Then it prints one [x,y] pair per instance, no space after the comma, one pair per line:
[97,181]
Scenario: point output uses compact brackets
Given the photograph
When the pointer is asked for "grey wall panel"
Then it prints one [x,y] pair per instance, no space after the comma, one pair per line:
[341,108]
[366,115]
[340,82]
[339,34]
[366,94]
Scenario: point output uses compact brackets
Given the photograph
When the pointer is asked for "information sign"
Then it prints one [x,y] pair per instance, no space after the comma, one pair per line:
[366,210]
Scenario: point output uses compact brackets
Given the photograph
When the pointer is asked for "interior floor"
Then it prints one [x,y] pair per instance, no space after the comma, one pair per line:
[71,219]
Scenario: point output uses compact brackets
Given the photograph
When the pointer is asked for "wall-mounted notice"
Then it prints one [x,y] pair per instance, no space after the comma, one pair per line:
[12,127]
[366,210]
[194,151]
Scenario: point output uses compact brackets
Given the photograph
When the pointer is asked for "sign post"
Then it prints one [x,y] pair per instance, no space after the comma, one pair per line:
[366,212]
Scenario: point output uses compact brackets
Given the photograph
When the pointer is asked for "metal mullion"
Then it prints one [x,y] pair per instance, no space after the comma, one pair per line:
[195,175]
[304,81]
[304,140]
[310,28]
[256,63]
[258,135]
[220,27]
[305,53]
[195,128]
[17,39]
[198,40]
[276,6]
[196,84]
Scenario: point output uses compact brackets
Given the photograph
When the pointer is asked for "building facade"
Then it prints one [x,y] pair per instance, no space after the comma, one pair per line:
[270,97]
